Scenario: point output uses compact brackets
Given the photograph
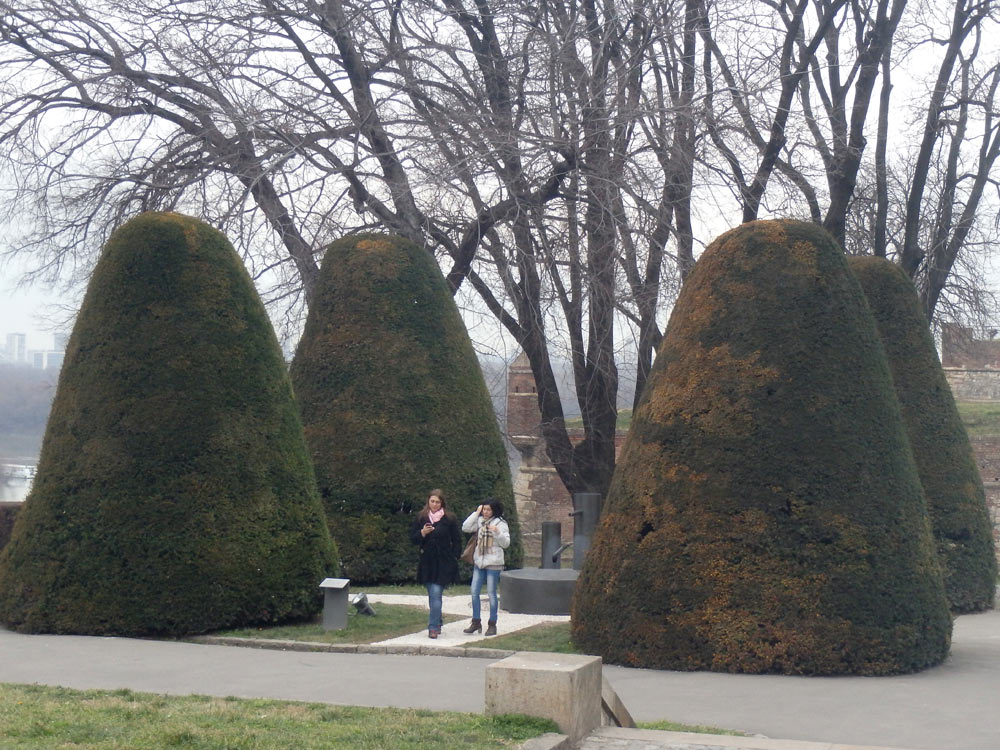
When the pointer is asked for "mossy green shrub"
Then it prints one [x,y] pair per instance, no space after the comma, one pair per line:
[766,514]
[174,491]
[394,404]
[956,502]
[8,512]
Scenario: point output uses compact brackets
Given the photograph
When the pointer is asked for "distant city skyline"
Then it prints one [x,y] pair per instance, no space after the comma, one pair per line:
[31,311]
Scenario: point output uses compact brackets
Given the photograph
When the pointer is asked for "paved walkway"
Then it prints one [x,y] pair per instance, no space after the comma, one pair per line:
[451,633]
[955,706]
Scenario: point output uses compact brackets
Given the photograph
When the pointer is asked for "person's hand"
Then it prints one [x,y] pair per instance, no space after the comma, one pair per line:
[428,528]
[479,510]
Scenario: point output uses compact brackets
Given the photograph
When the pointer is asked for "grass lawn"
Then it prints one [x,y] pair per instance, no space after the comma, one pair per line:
[673,726]
[390,621]
[34,717]
[980,419]
[624,420]
[551,636]
[405,588]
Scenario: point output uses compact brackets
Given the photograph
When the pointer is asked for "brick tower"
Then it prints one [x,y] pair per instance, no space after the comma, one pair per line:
[538,491]
[523,417]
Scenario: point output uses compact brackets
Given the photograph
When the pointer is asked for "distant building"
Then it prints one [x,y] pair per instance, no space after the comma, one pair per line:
[47,360]
[971,364]
[16,349]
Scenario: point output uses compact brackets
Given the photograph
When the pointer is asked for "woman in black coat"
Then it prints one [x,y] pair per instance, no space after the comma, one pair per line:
[437,532]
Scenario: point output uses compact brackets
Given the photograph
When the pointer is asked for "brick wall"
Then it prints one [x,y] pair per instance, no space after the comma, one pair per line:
[541,496]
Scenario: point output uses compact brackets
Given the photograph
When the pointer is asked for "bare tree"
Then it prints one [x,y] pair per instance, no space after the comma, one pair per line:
[553,155]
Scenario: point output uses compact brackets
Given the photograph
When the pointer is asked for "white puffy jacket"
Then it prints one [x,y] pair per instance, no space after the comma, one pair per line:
[494,538]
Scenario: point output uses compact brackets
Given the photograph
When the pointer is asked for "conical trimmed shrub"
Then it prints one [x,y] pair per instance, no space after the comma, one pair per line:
[956,501]
[174,491]
[766,514]
[394,404]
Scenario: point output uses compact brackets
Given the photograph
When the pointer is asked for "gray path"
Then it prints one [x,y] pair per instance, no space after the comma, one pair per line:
[953,707]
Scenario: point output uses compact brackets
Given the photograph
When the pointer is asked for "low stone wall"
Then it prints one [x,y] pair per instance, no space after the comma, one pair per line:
[973,385]
[8,512]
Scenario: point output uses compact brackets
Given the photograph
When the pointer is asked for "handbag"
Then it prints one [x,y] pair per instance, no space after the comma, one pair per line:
[470,548]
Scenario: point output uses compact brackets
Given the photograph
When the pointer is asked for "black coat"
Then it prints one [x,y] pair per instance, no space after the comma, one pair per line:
[439,550]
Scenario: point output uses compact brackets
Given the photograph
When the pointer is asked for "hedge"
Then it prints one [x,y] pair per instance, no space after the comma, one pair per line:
[174,492]
[956,501]
[394,404]
[766,514]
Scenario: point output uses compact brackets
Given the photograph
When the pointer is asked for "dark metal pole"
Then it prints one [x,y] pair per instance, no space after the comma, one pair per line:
[586,511]
[551,540]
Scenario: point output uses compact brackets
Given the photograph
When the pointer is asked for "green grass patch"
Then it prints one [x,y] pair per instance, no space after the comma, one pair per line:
[390,621]
[550,636]
[406,589]
[980,419]
[623,423]
[34,717]
[673,726]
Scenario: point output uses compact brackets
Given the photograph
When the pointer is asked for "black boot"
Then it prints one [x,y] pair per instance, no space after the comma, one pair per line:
[476,626]
[491,627]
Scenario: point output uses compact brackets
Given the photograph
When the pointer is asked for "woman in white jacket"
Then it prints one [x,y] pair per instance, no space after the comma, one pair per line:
[493,537]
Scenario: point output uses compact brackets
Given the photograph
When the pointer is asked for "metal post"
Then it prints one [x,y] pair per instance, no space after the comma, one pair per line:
[586,510]
[551,539]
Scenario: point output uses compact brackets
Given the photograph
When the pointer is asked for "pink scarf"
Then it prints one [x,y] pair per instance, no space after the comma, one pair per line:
[435,515]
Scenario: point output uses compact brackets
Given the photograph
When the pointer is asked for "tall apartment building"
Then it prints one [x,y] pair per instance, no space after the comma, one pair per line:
[17,347]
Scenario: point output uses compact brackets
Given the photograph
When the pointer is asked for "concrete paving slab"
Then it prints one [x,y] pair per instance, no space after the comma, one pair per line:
[451,634]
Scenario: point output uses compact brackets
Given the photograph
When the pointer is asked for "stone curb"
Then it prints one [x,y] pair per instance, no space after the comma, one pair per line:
[614,737]
[351,648]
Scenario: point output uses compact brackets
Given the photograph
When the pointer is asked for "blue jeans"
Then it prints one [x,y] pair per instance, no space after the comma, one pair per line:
[434,592]
[492,578]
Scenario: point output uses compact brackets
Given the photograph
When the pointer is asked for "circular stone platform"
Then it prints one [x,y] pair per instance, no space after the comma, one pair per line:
[537,591]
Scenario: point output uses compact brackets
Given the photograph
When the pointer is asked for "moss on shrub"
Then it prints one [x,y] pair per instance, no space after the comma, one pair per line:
[394,404]
[956,501]
[174,491]
[766,514]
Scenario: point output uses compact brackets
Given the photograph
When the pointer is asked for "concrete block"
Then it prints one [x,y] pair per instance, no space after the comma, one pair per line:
[563,687]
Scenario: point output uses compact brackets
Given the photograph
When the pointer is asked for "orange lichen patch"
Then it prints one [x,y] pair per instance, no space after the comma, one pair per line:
[774,231]
[645,464]
[751,522]
[700,391]
[806,254]
[374,246]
